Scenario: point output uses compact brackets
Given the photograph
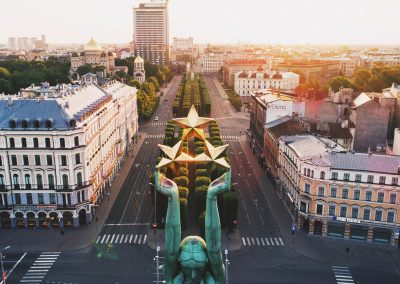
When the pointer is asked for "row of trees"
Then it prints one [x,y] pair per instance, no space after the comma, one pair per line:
[17,74]
[364,80]
[205,109]
[234,98]
[182,98]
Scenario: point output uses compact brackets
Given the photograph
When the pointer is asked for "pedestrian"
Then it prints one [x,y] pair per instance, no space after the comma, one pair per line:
[108,195]
[294,227]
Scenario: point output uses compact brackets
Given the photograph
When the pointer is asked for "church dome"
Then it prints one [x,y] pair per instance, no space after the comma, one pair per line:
[277,76]
[139,59]
[243,75]
[92,46]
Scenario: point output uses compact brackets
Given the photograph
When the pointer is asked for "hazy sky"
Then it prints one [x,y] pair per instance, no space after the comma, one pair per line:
[219,21]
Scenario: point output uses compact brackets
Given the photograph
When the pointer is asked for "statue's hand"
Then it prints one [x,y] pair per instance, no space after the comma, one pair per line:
[165,185]
[220,185]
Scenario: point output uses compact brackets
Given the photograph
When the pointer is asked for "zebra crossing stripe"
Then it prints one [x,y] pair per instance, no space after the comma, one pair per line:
[262,241]
[248,240]
[266,240]
[280,239]
[122,239]
[244,241]
[252,240]
[135,239]
[126,239]
[258,243]
[144,239]
[140,239]
[276,240]
[130,239]
[98,239]
[112,238]
[116,239]
[272,241]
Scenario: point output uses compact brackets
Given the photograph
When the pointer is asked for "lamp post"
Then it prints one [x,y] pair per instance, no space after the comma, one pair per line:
[4,274]
[226,266]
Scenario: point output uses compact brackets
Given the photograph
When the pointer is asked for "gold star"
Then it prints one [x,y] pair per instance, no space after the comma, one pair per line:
[171,152]
[215,151]
[193,124]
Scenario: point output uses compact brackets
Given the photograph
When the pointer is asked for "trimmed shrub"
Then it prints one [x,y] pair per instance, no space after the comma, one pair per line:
[181,181]
[183,192]
[199,181]
[201,173]
[183,171]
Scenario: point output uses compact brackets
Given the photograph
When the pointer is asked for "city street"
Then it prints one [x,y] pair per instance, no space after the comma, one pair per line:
[268,253]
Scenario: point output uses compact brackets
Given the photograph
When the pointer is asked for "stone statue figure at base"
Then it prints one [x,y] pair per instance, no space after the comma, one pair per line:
[193,260]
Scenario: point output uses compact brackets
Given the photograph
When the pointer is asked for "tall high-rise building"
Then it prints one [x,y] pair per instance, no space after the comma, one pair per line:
[151,31]
[12,43]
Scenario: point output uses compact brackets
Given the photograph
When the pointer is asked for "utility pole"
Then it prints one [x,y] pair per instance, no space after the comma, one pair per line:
[226,266]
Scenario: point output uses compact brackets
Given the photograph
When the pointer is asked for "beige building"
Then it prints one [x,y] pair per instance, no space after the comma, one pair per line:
[340,194]
[233,66]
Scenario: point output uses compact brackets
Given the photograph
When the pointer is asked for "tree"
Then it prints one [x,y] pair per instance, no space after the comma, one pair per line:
[154,81]
[337,82]
[82,70]
[135,83]
[5,86]
[4,73]
[360,79]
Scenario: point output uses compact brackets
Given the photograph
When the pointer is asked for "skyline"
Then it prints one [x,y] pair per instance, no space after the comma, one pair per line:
[301,23]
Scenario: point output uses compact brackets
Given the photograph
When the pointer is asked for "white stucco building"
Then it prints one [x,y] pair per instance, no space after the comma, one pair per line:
[211,62]
[247,82]
[60,152]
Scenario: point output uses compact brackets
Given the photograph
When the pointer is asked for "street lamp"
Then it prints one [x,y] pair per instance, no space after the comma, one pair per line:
[226,266]
[4,274]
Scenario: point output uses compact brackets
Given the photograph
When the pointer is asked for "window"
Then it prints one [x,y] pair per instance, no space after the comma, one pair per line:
[40,198]
[395,180]
[13,160]
[79,179]
[322,175]
[354,212]
[23,142]
[307,188]
[356,194]
[345,193]
[333,191]
[36,123]
[37,160]
[63,160]
[305,172]
[382,180]
[76,141]
[358,178]
[368,196]
[332,209]
[378,215]
[24,124]
[28,181]
[308,172]
[39,181]
[367,213]
[319,209]
[26,160]
[29,198]
[1,161]
[52,198]
[62,143]
[17,197]
[393,198]
[381,196]
[50,177]
[334,175]
[65,181]
[47,142]
[49,159]
[321,191]
[390,217]
[370,179]
[346,176]
[35,143]
[312,174]
[1,180]
[77,158]
[343,211]
[12,143]
[79,196]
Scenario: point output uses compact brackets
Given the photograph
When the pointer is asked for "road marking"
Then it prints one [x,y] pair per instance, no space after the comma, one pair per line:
[128,224]
[108,236]
[252,240]
[276,240]
[280,239]
[145,238]
[130,195]
[266,240]
[122,239]
[116,239]
[272,241]
[98,239]
[130,239]
[135,239]
[244,241]
[126,239]
[15,265]
[258,243]
[102,239]
[342,274]
[140,239]
[112,238]
[262,241]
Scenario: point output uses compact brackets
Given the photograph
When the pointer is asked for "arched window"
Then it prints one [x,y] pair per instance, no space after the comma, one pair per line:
[79,179]
[308,172]
[62,143]
[36,123]
[1,180]
[312,173]
[24,123]
[39,181]
[322,175]
[48,123]
[305,171]
[13,124]
[16,181]
[65,181]
[50,178]
[28,181]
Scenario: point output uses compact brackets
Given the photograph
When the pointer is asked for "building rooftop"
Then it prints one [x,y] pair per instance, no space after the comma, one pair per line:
[273,75]
[337,132]
[365,162]
[245,62]
[285,126]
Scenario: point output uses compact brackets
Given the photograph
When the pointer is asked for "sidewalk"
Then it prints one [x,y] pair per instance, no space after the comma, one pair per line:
[74,238]
[310,246]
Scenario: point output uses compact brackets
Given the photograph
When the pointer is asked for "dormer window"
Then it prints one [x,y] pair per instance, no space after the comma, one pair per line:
[72,123]
[48,123]
[24,123]
[36,123]
[13,124]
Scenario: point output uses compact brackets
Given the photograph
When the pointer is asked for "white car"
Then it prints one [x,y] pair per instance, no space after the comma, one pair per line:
[156,118]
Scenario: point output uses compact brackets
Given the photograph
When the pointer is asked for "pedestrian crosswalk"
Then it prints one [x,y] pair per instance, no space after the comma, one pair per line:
[158,123]
[229,137]
[223,117]
[262,241]
[121,239]
[39,269]
[342,275]
[155,136]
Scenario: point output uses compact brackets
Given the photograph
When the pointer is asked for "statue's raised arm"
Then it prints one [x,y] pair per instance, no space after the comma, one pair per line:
[172,224]
[213,225]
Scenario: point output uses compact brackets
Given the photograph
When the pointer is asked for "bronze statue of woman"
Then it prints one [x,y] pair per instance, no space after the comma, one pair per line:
[193,260]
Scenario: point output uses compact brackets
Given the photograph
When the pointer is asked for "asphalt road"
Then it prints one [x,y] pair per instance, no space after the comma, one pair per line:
[268,253]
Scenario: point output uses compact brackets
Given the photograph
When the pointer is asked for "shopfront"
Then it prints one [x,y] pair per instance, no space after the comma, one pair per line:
[382,235]
[358,232]
[336,229]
